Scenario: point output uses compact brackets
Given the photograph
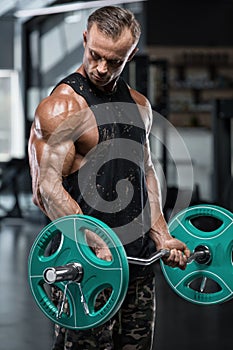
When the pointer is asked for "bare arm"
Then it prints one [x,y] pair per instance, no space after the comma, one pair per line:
[59,122]
[51,156]
[159,231]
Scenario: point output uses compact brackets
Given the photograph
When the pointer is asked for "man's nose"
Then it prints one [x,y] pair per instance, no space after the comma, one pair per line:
[102,66]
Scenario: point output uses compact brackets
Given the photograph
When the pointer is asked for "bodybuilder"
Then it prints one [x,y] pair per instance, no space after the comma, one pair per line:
[89,153]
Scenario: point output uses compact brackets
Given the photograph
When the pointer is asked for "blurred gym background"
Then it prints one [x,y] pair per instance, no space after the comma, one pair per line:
[185,68]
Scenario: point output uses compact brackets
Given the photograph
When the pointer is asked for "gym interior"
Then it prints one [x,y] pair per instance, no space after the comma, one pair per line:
[184,66]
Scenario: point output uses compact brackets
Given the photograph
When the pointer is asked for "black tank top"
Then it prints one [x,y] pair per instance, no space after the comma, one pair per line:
[111,185]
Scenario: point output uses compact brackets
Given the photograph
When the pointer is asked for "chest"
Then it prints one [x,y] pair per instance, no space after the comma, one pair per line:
[108,135]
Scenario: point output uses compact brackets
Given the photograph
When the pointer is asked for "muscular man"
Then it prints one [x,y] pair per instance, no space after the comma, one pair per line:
[89,153]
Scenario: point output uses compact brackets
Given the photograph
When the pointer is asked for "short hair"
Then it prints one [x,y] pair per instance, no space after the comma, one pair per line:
[112,21]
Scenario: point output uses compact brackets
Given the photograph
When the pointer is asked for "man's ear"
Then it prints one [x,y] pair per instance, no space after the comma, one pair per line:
[133,53]
[84,38]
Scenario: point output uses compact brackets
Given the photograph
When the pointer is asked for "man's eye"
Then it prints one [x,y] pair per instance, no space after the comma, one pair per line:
[94,55]
[115,63]
[112,63]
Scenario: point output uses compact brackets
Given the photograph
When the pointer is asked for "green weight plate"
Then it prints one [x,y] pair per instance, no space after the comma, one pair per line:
[98,274]
[216,277]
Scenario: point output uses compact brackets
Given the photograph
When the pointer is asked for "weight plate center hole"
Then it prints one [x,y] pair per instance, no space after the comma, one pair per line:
[203,254]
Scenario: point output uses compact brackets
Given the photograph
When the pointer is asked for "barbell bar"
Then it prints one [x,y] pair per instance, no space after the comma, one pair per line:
[74,272]
[81,276]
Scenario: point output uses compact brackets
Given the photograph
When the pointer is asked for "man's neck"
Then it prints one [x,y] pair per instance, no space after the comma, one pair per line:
[109,88]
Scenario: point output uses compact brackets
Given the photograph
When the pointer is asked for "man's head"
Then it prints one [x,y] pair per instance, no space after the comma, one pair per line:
[110,42]
[112,21]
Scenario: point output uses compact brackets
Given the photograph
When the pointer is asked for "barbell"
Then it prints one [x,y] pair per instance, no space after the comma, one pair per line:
[81,276]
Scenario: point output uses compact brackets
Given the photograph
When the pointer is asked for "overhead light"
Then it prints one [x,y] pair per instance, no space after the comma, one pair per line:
[69,7]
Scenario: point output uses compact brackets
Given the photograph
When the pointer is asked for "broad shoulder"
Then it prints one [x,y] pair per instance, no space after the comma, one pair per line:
[139,98]
[57,109]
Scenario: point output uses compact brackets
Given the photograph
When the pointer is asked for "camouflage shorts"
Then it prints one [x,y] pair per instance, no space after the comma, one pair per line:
[132,328]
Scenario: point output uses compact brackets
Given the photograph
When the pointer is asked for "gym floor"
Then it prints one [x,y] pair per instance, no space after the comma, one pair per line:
[180,324]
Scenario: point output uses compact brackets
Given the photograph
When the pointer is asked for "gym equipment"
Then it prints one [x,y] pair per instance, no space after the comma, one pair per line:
[88,277]
[81,277]
[209,280]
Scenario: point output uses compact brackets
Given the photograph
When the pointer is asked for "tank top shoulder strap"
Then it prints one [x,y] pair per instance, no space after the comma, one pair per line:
[76,81]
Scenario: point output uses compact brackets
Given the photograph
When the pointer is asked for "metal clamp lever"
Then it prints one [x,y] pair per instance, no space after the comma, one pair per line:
[61,307]
[83,300]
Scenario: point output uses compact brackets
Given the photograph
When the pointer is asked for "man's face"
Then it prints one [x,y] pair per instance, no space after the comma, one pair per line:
[105,58]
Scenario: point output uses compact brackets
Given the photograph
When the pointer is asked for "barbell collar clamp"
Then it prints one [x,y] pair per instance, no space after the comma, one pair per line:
[68,272]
